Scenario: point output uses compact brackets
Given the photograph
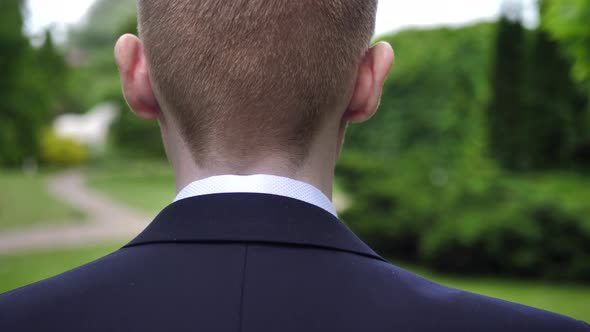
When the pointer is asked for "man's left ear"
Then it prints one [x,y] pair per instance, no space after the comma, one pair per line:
[371,76]
[134,72]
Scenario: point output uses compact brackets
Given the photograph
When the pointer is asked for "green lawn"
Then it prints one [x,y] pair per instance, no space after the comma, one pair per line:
[25,202]
[148,186]
[570,300]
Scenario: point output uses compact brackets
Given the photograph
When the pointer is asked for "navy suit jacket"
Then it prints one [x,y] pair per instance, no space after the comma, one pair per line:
[255,262]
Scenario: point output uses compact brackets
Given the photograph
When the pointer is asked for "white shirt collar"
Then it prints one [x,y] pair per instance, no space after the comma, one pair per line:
[260,184]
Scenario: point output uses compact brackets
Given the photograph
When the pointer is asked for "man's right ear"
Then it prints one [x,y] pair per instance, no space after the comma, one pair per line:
[134,71]
[371,76]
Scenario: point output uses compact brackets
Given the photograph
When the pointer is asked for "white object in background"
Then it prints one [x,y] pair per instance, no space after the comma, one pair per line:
[90,129]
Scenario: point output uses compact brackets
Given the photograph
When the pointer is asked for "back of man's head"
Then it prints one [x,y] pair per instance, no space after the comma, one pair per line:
[246,77]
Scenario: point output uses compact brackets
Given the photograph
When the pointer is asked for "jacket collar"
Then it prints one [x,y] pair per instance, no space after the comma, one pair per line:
[251,218]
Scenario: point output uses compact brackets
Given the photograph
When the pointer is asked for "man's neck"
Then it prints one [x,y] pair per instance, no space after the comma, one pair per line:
[317,169]
[187,172]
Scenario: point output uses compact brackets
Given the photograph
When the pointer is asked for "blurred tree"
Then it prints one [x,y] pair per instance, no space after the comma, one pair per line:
[129,26]
[102,24]
[54,74]
[424,188]
[22,107]
[556,106]
[568,21]
[507,112]
[431,96]
[30,84]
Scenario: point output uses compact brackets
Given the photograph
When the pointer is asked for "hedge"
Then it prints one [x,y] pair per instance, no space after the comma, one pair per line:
[470,217]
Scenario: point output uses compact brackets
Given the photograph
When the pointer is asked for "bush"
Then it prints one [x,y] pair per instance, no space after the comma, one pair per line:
[60,151]
[468,216]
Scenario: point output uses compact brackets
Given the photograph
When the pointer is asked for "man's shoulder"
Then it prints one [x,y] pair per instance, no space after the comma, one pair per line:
[54,298]
[458,309]
[138,288]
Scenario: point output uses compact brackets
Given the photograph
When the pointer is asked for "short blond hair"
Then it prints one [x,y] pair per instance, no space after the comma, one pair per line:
[253,76]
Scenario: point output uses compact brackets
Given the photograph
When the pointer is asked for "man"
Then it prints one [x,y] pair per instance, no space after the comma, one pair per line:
[253,98]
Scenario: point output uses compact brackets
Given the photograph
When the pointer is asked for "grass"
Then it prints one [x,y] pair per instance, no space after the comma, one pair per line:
[25,202]
[148,186]
[570,300]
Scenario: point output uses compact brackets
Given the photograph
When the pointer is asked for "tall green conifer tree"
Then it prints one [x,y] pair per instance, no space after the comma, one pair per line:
[53,75]
[15,49]
[506,111]
[30,82]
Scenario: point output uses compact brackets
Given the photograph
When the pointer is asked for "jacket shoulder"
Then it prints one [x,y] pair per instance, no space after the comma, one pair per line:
[24,303]
[461,309]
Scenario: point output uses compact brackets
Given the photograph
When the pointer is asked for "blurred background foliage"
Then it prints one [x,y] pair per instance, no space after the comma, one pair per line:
[567,21]
[478,160]
[34,70]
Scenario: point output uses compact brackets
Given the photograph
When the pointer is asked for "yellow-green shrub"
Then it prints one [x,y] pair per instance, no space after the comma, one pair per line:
[61,151]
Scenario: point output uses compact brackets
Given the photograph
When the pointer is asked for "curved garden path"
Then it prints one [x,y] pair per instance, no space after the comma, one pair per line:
[106,220]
